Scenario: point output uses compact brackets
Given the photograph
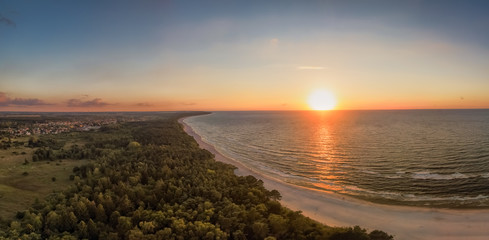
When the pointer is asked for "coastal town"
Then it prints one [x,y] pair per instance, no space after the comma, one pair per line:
[52,127]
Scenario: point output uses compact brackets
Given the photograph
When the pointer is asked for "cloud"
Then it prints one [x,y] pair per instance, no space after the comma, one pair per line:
[188,103]
[310,68]
[27,102]
[274,41]
[7,101]
[7,21]
[165,104]
[3,97]
[144,104]
[96,102]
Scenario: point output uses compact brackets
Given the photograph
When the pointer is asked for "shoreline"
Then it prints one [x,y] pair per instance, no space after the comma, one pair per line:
[403,222]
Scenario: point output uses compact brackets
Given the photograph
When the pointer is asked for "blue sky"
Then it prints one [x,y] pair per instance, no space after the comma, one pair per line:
[230,55]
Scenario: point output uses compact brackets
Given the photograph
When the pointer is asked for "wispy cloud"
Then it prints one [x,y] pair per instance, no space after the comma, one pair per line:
[7,101]
[188,103]
[7,21]
[274,41]
[27,101]
[144,104]
[310,68]
[96,102]
[3,97]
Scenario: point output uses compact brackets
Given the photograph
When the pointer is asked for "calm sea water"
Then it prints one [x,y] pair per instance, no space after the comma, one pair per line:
[436,158]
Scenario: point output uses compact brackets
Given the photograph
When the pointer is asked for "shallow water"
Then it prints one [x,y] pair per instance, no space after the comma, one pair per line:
[436,158]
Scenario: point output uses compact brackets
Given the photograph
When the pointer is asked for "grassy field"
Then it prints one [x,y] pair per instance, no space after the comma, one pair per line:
[21,183]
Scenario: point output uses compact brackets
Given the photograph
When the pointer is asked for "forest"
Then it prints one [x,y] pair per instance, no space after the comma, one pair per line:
[148,179]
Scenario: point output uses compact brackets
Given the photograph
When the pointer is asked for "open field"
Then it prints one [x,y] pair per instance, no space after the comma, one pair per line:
[21,183]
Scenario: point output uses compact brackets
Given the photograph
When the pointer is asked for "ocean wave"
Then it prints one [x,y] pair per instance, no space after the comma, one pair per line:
[436,176]
[410,197]
[478,197]
[397,196]
[429,198]
[369,172]
[393,176]
[266,169]
[486,175]
[399,174]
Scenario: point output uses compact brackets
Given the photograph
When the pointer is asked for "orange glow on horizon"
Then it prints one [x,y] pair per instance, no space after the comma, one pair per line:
[300,98]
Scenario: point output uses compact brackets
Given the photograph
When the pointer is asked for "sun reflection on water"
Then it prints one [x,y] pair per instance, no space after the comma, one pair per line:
[325,148]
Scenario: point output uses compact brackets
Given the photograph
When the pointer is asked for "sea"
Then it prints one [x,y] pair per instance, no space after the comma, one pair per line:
[428,158]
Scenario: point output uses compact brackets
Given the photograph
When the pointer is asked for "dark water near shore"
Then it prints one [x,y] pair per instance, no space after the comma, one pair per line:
[436,158]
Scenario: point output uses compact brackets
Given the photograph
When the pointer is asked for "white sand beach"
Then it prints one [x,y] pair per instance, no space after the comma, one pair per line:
[336,210]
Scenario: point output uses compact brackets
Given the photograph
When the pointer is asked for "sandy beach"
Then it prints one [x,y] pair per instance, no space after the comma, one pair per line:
[336,210]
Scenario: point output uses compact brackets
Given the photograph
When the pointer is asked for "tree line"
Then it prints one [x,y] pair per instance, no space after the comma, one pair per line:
[150,180]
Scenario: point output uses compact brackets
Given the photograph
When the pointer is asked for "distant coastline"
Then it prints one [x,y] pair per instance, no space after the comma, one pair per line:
[336,210]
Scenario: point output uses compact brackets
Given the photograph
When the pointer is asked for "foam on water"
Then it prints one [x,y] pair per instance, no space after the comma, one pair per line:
[428,175]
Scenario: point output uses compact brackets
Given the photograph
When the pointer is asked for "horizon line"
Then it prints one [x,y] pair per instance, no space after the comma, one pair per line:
[292,110]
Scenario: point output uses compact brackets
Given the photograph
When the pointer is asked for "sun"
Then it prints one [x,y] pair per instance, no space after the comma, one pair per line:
[321,100]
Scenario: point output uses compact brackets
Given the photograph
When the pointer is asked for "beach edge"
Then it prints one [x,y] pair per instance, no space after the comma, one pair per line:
[404,222]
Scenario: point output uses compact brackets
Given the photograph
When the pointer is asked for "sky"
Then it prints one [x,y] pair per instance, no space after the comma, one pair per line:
[149,55]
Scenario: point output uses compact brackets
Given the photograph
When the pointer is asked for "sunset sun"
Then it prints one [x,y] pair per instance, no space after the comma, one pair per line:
[321,100]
